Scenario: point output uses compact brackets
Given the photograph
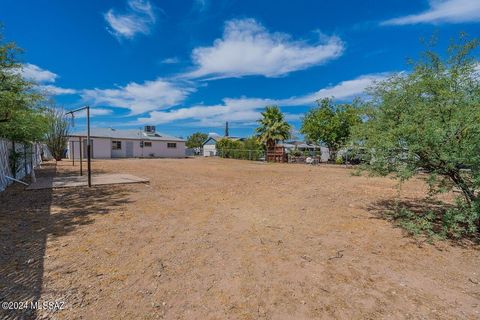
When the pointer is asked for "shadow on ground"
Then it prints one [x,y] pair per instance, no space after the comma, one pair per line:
[384,208]
[26,220]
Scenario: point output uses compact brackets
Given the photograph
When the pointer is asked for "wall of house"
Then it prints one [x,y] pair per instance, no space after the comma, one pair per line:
[209,150]
[118,153]
[102,149]
[160,149]
[100,146]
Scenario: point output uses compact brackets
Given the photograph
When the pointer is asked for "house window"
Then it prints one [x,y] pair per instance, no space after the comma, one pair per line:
[116,145]
[171,145]
[147,144]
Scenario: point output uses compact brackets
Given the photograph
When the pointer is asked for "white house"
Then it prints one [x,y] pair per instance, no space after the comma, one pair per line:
[112,143]
[210,146]
[310,149]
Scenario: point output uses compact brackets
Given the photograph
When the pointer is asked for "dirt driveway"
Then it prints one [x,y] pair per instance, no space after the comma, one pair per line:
[228,239]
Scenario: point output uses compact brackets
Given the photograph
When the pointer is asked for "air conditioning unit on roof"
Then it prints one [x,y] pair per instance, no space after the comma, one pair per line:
[149,129]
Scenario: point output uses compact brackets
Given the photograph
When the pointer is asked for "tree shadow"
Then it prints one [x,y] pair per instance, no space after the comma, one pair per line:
[420,218]
[26,220]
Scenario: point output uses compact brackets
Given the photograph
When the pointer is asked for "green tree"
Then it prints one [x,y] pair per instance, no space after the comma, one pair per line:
[21,112]
[56,137]
[429,120]
[273,127]
[248,149]
[252,143]
[196,140]
[330,124]
[229,148]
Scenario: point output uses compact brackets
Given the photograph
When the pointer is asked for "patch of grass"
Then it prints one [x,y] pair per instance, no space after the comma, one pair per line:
[357,172]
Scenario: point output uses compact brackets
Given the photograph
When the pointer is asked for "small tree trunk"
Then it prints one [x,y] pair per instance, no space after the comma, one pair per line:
[460,182]
[333,153]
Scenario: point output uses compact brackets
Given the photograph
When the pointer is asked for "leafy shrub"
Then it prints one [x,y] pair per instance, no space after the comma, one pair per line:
[249,149]
[456,222]
[296,153]
[461,220]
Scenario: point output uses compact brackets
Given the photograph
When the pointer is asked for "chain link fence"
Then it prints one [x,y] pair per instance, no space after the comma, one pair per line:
[18,159]
[253,155]
[309,157]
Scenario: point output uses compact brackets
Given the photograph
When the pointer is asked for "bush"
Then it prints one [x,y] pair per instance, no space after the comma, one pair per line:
[461,220]
[249,149]
[456,222]
[296,153]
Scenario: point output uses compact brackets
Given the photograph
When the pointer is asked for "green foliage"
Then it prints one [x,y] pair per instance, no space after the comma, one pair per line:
[296,153]
[196,140]
[21,114]
[461,220]
[417,224]
[273,126]
[56,137]
[429,120]
[249,149]
[356,173]
[252,143]
[330,124]
[227,147]
[455,222]
[14,160]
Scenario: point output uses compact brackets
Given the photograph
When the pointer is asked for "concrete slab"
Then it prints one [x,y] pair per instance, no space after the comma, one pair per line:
[78,181]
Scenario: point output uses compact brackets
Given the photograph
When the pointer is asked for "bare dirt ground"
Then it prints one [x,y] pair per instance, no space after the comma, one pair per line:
[228,239]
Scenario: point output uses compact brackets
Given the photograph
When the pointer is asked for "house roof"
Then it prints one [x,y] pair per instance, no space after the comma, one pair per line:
[126,134]
[299,145]
[217,137]
[211,138]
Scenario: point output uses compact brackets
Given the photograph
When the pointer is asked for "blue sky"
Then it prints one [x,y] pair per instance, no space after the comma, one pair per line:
[191,65]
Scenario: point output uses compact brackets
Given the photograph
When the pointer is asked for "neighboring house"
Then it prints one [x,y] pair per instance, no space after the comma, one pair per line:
[112,143]
[310,149]
[210,147]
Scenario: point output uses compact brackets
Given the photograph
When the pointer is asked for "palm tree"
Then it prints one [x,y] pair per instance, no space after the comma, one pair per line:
[273,127]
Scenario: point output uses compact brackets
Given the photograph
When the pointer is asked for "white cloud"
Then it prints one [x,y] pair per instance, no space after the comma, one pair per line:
[344,90]
[56,91]
[140,98]
[443,11]
[248,48]
[172,60]
[94,112]
[34,73]
[44,80]
[139,18]
[200,5]
[247,110]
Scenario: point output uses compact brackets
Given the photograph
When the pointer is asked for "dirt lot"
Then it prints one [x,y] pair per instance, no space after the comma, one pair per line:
[228,239]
